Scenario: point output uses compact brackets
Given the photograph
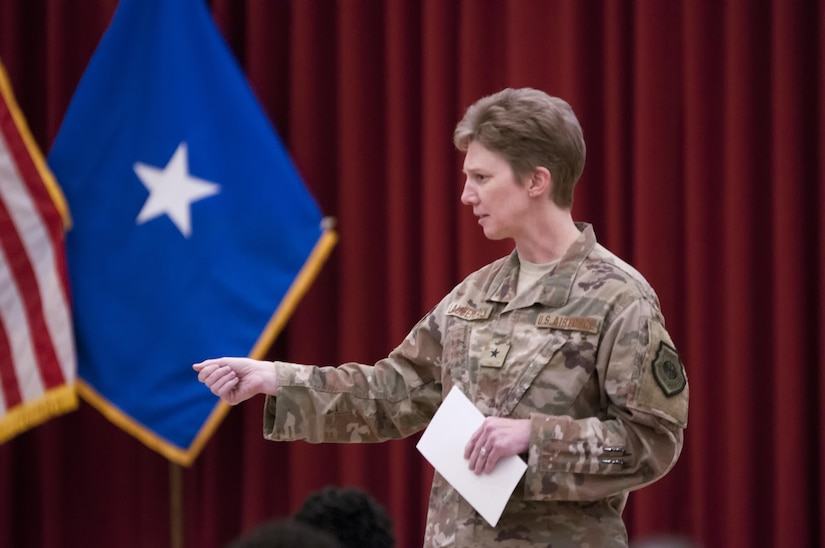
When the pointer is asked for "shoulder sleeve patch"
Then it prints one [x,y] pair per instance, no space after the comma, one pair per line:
[662,388]
[668,370]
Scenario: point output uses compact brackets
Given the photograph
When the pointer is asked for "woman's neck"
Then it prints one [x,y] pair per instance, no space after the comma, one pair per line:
[549,240]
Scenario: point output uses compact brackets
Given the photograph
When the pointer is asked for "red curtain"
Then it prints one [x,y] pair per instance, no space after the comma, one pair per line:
[705,126]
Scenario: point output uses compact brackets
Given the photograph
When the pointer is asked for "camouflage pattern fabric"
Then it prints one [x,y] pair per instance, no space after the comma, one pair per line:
[583,354]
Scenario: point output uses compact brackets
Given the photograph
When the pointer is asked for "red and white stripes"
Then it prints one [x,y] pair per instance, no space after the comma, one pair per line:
[38,363]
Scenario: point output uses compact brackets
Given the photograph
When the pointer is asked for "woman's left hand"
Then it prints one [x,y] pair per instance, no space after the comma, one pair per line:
[495,439]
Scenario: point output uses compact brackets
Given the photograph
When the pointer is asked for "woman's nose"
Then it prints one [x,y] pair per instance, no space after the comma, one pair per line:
[468,197]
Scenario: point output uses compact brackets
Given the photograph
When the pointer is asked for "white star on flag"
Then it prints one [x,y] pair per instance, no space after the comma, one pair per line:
[172,190]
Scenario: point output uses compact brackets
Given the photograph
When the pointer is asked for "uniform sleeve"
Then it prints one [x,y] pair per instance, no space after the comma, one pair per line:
[640,435]
[359,403]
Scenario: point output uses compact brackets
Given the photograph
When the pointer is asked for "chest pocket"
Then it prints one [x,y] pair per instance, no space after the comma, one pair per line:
[557,387]
[543,369]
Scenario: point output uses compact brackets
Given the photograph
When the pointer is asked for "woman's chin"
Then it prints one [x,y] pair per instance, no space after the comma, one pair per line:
[492,234]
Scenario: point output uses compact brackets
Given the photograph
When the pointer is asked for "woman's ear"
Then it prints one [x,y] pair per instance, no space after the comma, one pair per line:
[540,182]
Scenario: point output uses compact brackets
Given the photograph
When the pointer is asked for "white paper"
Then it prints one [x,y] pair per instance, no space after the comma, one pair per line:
[442,444]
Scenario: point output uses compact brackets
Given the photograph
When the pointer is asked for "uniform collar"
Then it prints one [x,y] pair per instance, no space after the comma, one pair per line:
[556,291]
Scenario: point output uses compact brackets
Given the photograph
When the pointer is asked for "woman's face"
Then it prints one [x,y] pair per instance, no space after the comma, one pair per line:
[498,200]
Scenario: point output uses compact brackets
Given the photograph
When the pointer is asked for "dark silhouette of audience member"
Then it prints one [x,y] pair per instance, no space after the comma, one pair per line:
[285,533]
[352,515]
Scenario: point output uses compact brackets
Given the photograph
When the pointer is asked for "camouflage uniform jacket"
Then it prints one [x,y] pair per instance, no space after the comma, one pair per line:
[583,354]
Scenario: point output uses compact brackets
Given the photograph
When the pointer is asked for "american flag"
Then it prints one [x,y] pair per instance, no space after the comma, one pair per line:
[38,363]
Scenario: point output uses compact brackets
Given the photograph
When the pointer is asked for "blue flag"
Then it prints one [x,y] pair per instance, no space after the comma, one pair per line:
[193,234]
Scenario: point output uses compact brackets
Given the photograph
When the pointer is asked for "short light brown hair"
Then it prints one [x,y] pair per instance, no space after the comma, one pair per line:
[530,129]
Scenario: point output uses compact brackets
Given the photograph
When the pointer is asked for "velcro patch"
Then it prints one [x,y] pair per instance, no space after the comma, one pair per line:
[468,312]
[668,370]
[569,323]
[494,355]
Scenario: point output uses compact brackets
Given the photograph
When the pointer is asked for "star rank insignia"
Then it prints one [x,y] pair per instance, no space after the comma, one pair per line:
[494,354]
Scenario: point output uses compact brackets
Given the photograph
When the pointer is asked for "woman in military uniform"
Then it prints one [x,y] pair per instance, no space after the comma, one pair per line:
[560,344]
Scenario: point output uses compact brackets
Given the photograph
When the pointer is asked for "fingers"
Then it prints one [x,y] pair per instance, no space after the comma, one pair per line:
[210,369]
[481,452]
[481,458]
[205,363]
[493,457]
[220,378]
[471,444]
[494,440]
[223,385]
[485,458]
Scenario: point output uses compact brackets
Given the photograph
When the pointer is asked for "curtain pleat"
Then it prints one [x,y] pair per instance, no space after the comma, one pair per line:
[818,265]
[705,130]
[793,214]
[704,218]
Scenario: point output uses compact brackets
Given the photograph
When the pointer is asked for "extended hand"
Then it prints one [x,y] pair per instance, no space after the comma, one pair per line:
[237,379]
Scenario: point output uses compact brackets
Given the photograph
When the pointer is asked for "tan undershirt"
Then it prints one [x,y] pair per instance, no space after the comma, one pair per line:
[529,273]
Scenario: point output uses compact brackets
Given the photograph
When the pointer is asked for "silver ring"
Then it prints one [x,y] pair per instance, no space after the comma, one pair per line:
[483,451]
